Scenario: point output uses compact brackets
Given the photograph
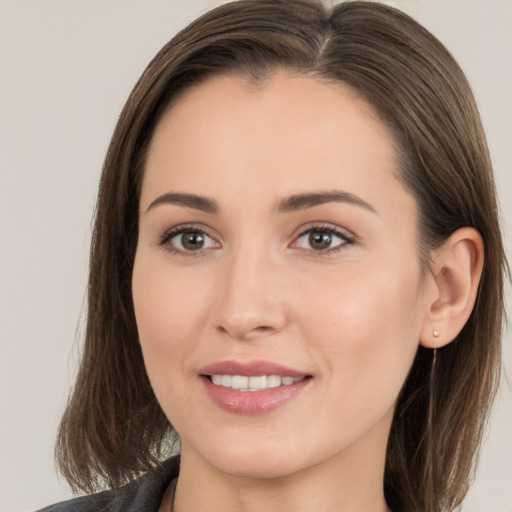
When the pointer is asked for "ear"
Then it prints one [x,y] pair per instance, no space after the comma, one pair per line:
[456,272]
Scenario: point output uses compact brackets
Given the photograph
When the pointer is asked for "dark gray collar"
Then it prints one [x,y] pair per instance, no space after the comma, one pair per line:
[145,494]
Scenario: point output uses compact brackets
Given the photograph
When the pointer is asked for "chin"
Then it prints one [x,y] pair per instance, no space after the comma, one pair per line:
[256,460]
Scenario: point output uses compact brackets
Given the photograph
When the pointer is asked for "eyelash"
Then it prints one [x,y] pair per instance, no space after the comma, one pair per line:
[327,229]
[178,230]
[320,228]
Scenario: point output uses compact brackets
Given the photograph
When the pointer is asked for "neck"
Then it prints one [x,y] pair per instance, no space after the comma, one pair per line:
[342,483]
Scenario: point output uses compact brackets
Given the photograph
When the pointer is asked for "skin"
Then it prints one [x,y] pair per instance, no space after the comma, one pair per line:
[352,318]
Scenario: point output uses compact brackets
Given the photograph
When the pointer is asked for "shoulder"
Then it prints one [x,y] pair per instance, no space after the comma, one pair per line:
[141,495]
[102,501]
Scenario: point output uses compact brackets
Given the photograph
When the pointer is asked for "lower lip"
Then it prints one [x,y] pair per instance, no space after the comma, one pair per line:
[252,402]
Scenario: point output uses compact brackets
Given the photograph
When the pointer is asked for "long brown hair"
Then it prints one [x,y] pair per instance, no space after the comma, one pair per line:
[113,427]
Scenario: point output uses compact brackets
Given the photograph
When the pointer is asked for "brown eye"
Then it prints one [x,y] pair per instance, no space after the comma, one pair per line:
[188,241]
[319,240]
[192,240]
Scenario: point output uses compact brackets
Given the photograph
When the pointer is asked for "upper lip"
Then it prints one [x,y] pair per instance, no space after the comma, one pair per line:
[250,368]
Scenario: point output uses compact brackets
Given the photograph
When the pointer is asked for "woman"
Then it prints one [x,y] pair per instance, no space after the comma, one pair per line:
[296,271]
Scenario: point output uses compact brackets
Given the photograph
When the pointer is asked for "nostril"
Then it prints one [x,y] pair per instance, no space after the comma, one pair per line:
[263,329]
[245,334]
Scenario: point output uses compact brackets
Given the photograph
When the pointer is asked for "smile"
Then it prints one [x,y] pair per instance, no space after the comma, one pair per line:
[252,387]
[253,383]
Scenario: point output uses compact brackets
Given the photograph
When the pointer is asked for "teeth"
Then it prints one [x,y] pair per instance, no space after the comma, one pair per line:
[258,382]
[217,379]
[239,382]
[255,383]
[273,381]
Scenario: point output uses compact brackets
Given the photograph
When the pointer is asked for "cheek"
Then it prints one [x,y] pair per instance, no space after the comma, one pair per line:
[167,303]
[366,327]
[168,316]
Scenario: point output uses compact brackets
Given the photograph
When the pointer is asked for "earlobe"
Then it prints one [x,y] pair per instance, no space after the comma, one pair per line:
[456,274]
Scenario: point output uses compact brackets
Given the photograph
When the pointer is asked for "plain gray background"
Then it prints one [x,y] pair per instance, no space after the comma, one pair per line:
[66,69]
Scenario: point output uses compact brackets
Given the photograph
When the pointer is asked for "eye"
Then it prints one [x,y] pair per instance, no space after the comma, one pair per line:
[187,239]
[321,239]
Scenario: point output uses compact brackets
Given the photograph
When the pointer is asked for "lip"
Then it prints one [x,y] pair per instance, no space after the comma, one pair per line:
[252,402]
[250,368]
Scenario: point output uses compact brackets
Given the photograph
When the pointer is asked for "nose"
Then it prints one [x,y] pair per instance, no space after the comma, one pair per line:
[250,303]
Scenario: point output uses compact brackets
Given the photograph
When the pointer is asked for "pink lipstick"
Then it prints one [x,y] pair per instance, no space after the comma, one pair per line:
[252,388]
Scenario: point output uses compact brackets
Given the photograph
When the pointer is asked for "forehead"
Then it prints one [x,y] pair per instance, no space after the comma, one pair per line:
[284,136]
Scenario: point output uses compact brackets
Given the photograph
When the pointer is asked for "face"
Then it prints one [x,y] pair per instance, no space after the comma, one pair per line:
[277,286]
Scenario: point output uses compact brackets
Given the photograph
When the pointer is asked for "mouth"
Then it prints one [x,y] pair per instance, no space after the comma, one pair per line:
[252,388]
[254,382]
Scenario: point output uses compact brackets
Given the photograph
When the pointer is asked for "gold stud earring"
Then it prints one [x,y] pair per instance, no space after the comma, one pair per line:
[435,332]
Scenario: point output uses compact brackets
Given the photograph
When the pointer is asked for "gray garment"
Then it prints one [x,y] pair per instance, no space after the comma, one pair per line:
[142,495]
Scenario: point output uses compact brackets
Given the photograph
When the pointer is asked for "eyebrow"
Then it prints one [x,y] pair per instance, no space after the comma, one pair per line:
[188,200]
[310,200]
[290,204]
